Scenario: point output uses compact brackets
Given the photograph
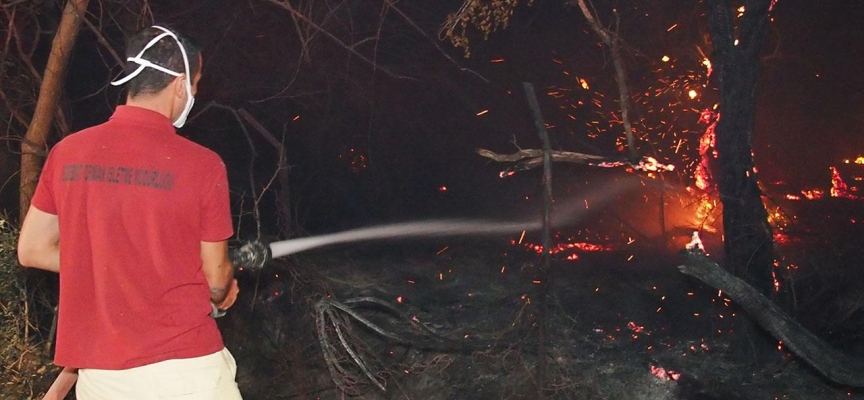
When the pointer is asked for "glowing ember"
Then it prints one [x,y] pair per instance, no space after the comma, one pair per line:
[838,186]
[707,63]
[813,194]
[771,7]
[635,328]
[692,94]
[665,58]
[707,153]
[356,159]
[482,112]
[650,164]
[564,247]
[584,84]
[666,375]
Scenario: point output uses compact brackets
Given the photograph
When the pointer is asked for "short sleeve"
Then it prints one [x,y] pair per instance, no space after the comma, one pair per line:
[216,224]
[43,198]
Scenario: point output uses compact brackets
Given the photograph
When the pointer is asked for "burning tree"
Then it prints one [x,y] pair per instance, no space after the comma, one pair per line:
[736,54]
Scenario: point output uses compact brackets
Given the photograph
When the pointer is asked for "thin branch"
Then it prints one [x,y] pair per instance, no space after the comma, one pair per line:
[26,56]
[557,155]
[434,43]
[103,41]
[287,6]
[304,41]
[357,360]
[14,3]
[14,110]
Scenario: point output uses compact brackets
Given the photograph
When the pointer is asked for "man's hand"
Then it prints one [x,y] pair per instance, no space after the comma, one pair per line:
[230,297]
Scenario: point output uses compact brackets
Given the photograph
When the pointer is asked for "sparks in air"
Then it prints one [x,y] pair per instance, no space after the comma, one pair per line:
[584,84]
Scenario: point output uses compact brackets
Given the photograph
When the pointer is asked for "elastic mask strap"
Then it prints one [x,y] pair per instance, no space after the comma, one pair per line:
[145,63]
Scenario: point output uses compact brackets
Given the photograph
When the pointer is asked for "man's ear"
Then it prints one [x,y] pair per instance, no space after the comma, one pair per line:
[179,85]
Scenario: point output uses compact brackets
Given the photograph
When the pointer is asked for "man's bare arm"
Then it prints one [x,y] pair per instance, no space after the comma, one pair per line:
[39,241]
[219,273]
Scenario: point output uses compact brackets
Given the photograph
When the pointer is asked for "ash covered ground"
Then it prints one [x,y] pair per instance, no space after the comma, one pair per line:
[623,323]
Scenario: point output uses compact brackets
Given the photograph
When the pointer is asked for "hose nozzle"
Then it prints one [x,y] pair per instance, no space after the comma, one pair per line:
[252,254]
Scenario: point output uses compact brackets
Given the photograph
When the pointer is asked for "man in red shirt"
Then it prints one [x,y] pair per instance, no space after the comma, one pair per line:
[136,220]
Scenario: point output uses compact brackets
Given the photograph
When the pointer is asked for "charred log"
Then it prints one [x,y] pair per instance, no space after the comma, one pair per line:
[830,362]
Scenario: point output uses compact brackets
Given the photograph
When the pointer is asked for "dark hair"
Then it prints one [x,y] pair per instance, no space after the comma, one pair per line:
[164,53]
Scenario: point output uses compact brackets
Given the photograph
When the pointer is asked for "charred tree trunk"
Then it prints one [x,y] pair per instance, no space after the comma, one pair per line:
[748,237]
[34,144]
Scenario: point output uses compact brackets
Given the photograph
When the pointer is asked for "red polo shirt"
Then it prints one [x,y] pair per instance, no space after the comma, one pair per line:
[134,200]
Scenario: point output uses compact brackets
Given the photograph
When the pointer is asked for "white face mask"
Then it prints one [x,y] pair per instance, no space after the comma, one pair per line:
[190,99]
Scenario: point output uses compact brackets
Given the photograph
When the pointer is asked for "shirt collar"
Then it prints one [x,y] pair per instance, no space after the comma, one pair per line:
[145,116]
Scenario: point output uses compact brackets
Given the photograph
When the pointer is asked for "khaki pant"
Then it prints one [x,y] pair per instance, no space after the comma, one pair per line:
[211,377]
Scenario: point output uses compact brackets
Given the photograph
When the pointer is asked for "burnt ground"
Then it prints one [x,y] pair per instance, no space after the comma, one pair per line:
[622,324]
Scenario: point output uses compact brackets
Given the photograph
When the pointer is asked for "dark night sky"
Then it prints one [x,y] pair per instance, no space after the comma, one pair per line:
[812,90]
[419,134]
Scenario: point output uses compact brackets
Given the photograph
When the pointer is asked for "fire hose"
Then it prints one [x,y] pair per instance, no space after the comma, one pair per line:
[252,255]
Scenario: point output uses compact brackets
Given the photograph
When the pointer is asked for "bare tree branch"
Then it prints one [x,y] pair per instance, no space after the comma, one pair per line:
[434,43]
[104,42]
[557,155]
[612,40]
[287,6]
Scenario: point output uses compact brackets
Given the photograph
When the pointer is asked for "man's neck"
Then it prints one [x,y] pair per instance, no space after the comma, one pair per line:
[155,103]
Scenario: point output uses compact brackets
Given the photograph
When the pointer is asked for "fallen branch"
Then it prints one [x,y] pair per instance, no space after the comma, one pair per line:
[557,155]
[532,158]
[833,364]
[343,350]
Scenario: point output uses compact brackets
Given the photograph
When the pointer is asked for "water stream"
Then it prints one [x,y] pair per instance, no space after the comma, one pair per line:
[564,213]
[426,229]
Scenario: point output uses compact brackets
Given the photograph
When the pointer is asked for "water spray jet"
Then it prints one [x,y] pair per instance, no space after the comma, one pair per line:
[255,254]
